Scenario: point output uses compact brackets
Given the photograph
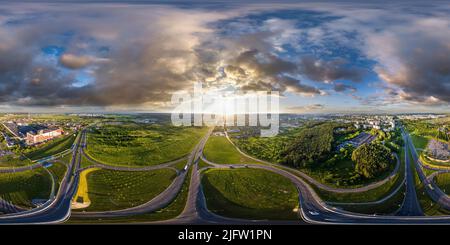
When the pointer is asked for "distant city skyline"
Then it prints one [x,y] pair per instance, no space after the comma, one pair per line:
[322,57]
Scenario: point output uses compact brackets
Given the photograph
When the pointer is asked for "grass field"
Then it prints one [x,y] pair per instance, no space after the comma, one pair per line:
[202,164]
[140,145]
[429,207]
[53,147]
[13,161]
[113,190]
[389,206]
[67,158]
[85,162]
[176,206]
[427,172]
[342,174]
[367,196]
[171,211]
[58,170]
[419,142]
[219,150]
[250,193]
[443,181]
[180,165]
[428,127]
[21,188]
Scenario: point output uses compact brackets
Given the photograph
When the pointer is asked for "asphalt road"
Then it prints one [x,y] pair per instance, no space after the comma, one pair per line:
[160,201]
[57,209]
[313,209]
[21,169]
[431,188]
[319,184]
[196,211]
[8,207]
[125,168]
[411,205]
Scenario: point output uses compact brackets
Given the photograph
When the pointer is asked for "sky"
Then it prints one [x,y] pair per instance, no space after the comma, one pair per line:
[322,57]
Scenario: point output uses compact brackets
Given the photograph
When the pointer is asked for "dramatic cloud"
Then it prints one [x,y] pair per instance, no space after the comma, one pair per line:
[341,87]
[417,60]
[145,63]
[306,108]
[293,85]
[75,62]
[253,70]
[328,71]
[264,64]
[124,55]
[410,48]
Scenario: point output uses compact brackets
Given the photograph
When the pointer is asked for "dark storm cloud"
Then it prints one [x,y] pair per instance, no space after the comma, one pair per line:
[294,85]
[235,72]
[264,64]
[328,71]
[341,87]
[256,71]
[140,55]
[23,82]
[424,73]
[142,64]
[306,108]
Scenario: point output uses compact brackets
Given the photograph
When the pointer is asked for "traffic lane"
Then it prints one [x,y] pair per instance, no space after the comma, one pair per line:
[59,209]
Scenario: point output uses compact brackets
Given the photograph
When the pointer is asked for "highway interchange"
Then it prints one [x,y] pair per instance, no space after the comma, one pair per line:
[312,209]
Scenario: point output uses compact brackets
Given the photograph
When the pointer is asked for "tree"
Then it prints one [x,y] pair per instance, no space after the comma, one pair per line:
[372,159]
[310,146]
